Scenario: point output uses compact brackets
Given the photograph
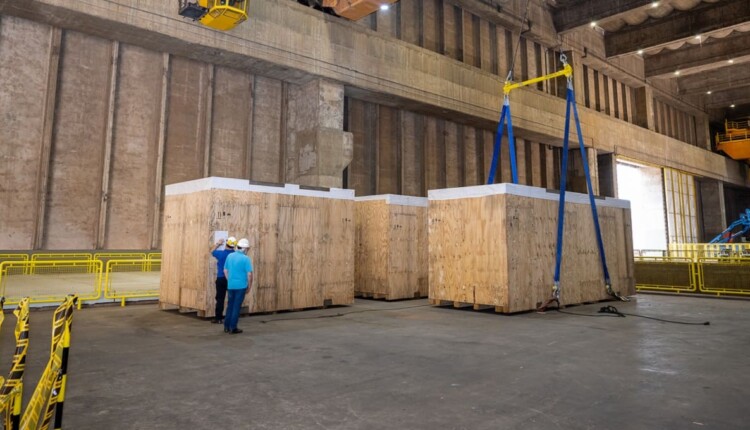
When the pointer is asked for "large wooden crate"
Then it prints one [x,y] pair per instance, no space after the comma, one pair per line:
[391,250]
[301,243]
[494,245]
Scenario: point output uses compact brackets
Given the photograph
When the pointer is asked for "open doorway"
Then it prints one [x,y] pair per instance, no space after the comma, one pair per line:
[643,186]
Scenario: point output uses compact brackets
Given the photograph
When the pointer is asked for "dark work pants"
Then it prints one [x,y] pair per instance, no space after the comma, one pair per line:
[221,294]
[234,304]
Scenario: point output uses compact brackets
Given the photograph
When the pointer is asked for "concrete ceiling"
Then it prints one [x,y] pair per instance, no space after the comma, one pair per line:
[703,45]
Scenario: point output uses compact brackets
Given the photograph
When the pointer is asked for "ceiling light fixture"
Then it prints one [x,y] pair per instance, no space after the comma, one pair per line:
[384,7]
[732,106]
[655,4]
[698,36]
[640,52]
[708,92]
[593,24]
[730,61]
[677,72]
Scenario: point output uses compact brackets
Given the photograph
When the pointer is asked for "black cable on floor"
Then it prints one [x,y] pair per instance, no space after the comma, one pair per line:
[611,311]
[340,314]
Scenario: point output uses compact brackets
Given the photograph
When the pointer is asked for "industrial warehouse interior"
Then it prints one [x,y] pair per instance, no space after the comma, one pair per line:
[374,214]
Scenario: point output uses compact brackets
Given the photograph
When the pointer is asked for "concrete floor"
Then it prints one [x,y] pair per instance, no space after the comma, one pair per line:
[416,368]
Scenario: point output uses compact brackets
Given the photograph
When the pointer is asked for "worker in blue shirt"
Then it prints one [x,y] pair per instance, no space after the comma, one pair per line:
[239,272]
[221,281]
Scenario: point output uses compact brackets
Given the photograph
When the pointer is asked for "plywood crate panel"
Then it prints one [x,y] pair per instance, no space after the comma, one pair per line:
[301,243]
[391,247]
[494,245]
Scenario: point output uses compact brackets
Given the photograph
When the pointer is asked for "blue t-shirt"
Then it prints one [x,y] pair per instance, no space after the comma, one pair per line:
[221,257]
[238,265]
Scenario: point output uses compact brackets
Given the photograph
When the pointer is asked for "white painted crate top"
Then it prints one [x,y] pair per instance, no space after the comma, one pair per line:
[395,199]
[214,183]
[523,191]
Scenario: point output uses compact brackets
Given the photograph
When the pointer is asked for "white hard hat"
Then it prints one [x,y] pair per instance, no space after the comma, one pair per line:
[231,241]
[243,243]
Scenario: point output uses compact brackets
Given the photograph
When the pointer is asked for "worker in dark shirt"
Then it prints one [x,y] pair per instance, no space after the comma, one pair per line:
[221,281]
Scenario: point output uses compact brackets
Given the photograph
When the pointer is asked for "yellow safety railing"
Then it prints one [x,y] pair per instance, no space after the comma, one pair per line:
[153,256]
[668,274]
[724,276]
[50,281]
[14,257]
[106,256]
[709,250]
[61,256]
[142,280]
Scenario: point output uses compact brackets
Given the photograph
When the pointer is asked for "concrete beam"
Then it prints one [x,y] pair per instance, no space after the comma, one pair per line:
[733,77]
[677,26]
[577,13]
[535,28]
[724,99]
[712,53]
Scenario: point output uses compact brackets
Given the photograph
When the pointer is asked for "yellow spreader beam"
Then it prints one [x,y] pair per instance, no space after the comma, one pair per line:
[566,71]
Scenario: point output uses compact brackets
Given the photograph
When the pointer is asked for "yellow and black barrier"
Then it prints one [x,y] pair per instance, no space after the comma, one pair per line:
[11,391]
[49,396]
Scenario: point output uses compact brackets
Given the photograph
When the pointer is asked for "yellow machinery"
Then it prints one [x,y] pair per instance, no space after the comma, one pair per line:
[217,14]
[355,9]
[735,141]
[226,14]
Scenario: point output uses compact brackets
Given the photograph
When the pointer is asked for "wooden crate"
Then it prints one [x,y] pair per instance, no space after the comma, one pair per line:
[494,245]
[391,247]
[301,243]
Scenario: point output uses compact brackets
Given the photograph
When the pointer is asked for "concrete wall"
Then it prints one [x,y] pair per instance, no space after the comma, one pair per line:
[94,128]
[402,152]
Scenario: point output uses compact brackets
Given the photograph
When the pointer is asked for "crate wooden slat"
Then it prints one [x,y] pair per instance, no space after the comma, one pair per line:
[391,250]
[494,245]
[301,243]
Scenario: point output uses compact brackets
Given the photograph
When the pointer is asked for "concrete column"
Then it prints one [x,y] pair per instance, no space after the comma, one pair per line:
[703,136]
[318,150]
[643,107]
[713,209]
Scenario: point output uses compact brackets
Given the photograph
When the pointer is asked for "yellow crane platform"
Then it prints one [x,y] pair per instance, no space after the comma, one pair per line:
[735,141]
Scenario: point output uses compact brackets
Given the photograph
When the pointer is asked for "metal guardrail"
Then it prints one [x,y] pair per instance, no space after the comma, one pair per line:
[142,273]
[14,257]
[724,276]
[719,276]
[41,280]
[708,250]
[670,274]
[106,256]
[50,277]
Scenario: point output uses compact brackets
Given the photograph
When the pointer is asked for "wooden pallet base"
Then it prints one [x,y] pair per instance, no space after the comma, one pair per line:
[386,297]
[463,305]
[501,310]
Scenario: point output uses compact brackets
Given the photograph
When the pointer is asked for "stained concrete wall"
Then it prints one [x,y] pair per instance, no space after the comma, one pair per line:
[402,152]
[219,103]
[93,129]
